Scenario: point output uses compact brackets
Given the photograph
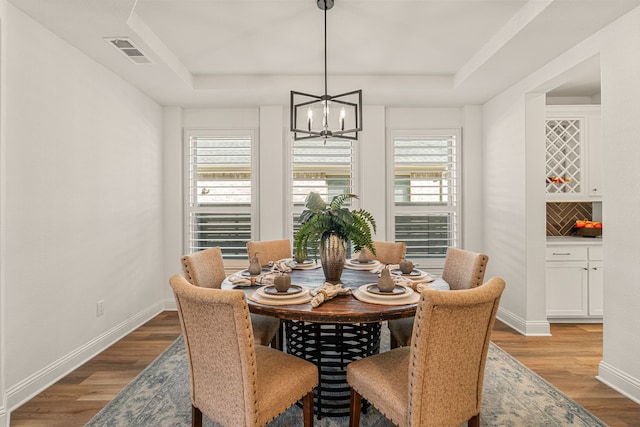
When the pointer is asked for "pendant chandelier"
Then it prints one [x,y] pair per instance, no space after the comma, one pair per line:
[326,116]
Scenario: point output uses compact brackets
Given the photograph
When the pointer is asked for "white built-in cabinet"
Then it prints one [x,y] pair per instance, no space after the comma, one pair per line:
[573,153]
[574,282]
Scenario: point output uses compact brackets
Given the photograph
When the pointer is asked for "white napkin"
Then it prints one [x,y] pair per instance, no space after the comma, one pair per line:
[382,266]
[263,279]
[417,285]
[326,292]
[284,265]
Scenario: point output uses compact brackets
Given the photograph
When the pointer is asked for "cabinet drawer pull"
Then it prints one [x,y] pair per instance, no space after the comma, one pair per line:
[595,268]
[562,253]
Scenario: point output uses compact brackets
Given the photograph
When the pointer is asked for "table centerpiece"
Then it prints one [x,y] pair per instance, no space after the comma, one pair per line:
[330,227]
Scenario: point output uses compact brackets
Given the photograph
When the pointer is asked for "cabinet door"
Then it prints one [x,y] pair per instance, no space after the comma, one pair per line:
[596,288]
[564,157]
[573,152]
[567,289]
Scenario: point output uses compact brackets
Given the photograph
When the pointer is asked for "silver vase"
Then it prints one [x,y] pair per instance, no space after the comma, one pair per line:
[333,251]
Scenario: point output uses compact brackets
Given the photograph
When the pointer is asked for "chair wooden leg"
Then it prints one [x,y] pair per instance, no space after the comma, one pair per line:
[474,421]
[196,417]
[277,341]
[354,411]
[393,343]
[307,409]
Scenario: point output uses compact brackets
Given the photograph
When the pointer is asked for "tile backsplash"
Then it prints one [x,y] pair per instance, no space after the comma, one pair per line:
[561,216]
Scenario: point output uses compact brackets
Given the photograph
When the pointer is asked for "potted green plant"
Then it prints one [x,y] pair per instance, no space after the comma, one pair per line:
[329,228]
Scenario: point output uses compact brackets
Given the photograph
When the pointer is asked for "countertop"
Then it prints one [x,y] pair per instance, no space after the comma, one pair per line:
[573,240]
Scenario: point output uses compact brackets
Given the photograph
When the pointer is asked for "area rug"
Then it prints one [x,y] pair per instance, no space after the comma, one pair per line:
[513,396]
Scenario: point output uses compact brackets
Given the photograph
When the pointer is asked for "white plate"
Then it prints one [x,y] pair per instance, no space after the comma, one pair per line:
[308,265]
[364,290]
[355,261]
[359,266]
[412,298]
[300,298]
[245,273]
[260,291]
[414,273]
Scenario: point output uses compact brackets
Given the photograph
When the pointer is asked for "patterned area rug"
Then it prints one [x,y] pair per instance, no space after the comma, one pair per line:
[513,395]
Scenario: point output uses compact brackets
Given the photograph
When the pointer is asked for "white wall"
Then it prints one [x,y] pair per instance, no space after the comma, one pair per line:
[3,63]
[504,203]
[620,70]
[172,187]
[514,195]
[82,207]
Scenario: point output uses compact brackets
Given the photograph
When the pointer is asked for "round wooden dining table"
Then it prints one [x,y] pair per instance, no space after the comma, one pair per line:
[333,334]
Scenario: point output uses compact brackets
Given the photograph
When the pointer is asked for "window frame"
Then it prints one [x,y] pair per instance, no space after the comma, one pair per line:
[291,210]
[188,209]
[391,208]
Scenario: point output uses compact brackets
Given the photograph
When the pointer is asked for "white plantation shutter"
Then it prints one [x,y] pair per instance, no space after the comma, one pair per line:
[426,181]
[219,181]
[323,167]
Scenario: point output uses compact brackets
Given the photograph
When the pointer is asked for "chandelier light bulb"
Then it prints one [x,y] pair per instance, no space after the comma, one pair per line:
[325,118]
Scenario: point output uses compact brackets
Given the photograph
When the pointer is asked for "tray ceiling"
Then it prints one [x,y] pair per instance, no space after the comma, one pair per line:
[400,52]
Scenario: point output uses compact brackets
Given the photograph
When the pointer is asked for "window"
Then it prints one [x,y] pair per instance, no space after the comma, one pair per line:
[426,209]
[219,180]
[323,167]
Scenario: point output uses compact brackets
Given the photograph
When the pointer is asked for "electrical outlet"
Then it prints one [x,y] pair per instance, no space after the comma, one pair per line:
[99,308]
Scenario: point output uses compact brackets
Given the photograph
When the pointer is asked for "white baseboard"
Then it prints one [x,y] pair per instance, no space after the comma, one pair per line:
[34,384]
[527,328]
[170,304]
[575,320]
[619,381]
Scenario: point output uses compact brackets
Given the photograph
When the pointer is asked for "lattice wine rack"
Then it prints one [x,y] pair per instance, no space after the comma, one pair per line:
[563,155]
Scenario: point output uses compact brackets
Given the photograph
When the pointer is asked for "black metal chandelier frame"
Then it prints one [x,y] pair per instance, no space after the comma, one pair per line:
[301,101]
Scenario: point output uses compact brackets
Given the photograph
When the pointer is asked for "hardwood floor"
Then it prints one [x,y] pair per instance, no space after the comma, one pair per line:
[76,398]
[569,360]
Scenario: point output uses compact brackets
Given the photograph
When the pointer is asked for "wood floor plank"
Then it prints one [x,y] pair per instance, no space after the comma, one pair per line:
[568,360]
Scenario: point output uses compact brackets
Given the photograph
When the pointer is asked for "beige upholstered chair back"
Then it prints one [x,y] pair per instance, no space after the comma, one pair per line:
[269,250]
[204,268]
[220,351]
[464,269]
[448,353]
[388,252]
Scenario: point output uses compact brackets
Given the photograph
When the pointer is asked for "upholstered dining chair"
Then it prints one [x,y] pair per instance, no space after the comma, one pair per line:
[235,382]
[437,381]
[388,252]
[462,270]
[206,270]
[269,250]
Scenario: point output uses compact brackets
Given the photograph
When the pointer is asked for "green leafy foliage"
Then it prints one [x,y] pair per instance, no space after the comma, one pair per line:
[320,219]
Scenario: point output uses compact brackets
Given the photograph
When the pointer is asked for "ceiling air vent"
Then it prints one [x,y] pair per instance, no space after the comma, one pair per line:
[129,49]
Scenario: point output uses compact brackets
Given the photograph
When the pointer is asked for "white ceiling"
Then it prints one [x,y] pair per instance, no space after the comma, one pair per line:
[399,52]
